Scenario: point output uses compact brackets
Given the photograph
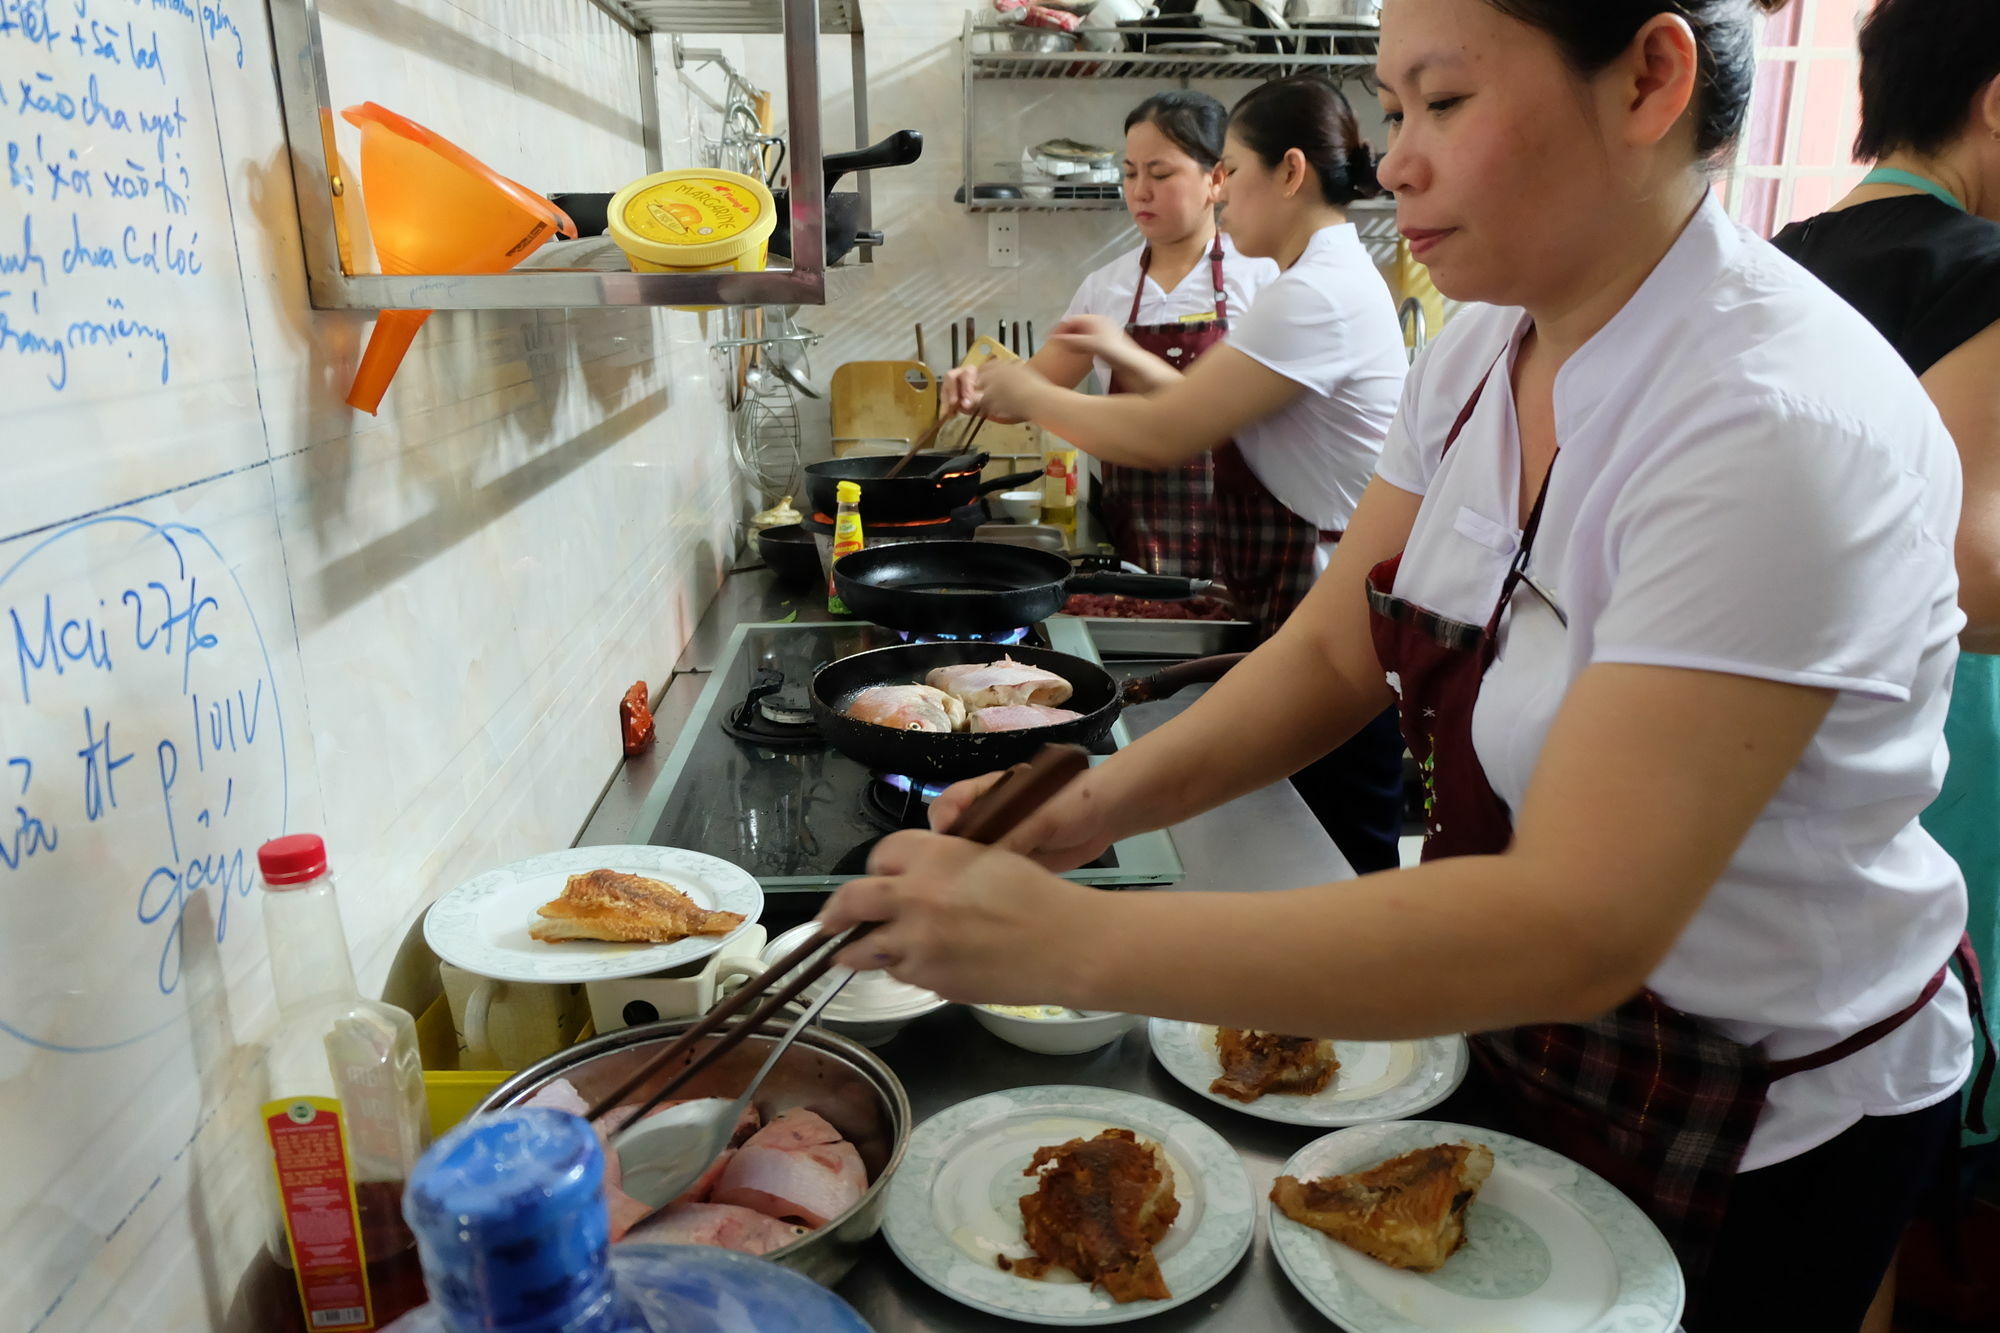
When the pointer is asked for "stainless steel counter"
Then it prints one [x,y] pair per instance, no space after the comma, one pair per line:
[1266,840]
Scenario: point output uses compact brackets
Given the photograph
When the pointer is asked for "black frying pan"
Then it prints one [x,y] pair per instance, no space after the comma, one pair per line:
[949,757]
[908,498]
[978,587]
[843,211]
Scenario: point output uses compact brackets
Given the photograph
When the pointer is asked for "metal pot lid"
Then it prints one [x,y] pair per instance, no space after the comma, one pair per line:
[872,997]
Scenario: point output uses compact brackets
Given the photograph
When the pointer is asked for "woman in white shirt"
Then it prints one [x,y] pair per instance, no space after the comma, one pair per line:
[1292,405]
[1679,692]
[1173,296]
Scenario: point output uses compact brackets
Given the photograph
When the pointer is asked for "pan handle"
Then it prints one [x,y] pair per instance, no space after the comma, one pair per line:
[898,150]
[1009,481]
[1156,587]
[1169,681]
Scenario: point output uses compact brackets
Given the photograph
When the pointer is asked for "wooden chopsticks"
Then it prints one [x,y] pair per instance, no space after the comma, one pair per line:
[922,443]
[1000,809]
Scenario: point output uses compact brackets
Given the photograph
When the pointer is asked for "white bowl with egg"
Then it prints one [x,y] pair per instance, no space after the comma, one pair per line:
[1049,1029]
[870,1009]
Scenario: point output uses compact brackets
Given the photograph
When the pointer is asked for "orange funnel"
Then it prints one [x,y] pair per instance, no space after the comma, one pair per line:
[434,208]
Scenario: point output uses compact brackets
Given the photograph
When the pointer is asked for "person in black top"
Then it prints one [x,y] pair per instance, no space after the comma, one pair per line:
[1916,246]
[1916,249]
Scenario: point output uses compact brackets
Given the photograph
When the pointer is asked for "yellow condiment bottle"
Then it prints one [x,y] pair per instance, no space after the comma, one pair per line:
[847,538]
[1059,468]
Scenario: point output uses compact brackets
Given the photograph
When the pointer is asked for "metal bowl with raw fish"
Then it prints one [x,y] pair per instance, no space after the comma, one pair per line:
[940,712]
[806,1184]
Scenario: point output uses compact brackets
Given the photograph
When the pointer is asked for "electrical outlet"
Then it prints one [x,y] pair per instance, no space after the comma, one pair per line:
[1003,240]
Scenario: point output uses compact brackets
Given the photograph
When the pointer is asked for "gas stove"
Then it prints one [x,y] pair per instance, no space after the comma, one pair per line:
[750,780]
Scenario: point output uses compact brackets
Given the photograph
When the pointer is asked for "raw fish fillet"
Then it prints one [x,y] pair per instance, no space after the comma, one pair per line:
[796,1168]
[611,905]
[561,1094]
[1101,1207]
[1408,1212]
[1019,717]
[720,1224]
[995,684]
[908,708]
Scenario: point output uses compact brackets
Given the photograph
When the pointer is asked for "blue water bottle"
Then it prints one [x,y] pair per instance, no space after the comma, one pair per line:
[508,1211]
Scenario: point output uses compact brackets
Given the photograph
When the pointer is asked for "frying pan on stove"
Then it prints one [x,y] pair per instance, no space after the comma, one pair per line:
[940,757]
[930,490]
[974,587]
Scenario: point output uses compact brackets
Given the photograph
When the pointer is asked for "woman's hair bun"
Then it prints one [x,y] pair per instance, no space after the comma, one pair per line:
[1361,177]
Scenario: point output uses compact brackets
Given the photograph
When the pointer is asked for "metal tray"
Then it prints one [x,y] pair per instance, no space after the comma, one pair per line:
[1131,636]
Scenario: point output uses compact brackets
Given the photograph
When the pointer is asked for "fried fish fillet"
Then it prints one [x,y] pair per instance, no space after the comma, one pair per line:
[1408,1212]
[1256,1063]
[609,905]
[1102,1205]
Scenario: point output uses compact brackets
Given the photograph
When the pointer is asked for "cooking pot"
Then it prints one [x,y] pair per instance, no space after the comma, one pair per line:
[843,1082]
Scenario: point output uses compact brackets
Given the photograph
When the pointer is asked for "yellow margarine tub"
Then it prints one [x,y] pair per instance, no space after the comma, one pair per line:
[695,220]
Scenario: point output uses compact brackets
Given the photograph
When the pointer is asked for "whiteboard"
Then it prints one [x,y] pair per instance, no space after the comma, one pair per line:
[232,609]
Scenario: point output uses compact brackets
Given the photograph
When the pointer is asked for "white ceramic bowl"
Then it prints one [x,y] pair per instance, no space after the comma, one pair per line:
[870,1009]
[1022,506]
[1056,1036]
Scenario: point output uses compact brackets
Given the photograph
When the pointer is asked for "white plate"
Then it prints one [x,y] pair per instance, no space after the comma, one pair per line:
[1549,1247]
[482,925]
[954,1204]
[1378,1080]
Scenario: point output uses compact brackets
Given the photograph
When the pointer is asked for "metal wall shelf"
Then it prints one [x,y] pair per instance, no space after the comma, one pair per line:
[309,120]
[837,18]
[988,55]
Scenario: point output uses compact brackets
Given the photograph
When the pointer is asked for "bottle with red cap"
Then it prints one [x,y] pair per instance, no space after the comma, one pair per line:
[346,1117]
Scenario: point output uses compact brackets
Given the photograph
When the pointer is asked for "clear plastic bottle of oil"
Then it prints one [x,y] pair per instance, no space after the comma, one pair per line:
[347,1119]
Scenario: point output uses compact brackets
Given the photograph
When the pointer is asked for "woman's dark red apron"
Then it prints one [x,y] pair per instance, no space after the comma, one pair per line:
[1653,1099]
[1164,520]
[1211,517]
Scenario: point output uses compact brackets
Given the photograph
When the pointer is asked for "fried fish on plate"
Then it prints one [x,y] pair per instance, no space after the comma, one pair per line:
[1101,1207]
[1408,1212]
[610,905]
[1256,1063]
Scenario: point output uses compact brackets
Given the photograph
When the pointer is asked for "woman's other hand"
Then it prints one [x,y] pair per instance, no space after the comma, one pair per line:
[1010,389]
[958,392]
[1093,336]
[1070,830]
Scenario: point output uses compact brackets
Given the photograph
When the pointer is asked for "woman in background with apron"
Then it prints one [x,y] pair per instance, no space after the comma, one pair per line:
[1291,406]
[1174,296]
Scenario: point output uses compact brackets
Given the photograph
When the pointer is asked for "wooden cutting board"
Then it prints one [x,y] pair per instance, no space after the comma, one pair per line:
[879,400]
[1014,448]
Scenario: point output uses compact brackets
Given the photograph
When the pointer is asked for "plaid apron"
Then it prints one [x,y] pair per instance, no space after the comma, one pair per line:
[1654,1100]
[1164,520]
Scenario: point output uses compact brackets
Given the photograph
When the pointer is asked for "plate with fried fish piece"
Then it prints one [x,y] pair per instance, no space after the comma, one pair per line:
[1547,1245]
[954,1207]
[1377,1080]
[488,924]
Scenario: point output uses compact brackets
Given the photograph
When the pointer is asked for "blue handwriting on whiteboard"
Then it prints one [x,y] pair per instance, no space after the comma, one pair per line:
[200,842]
[27,257]
[216,19]
[30,835]
[167,887]
[100,770]
[30,20]
[118,330]
[27,342]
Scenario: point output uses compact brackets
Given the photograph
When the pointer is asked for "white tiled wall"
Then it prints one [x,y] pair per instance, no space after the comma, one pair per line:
[454,596]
